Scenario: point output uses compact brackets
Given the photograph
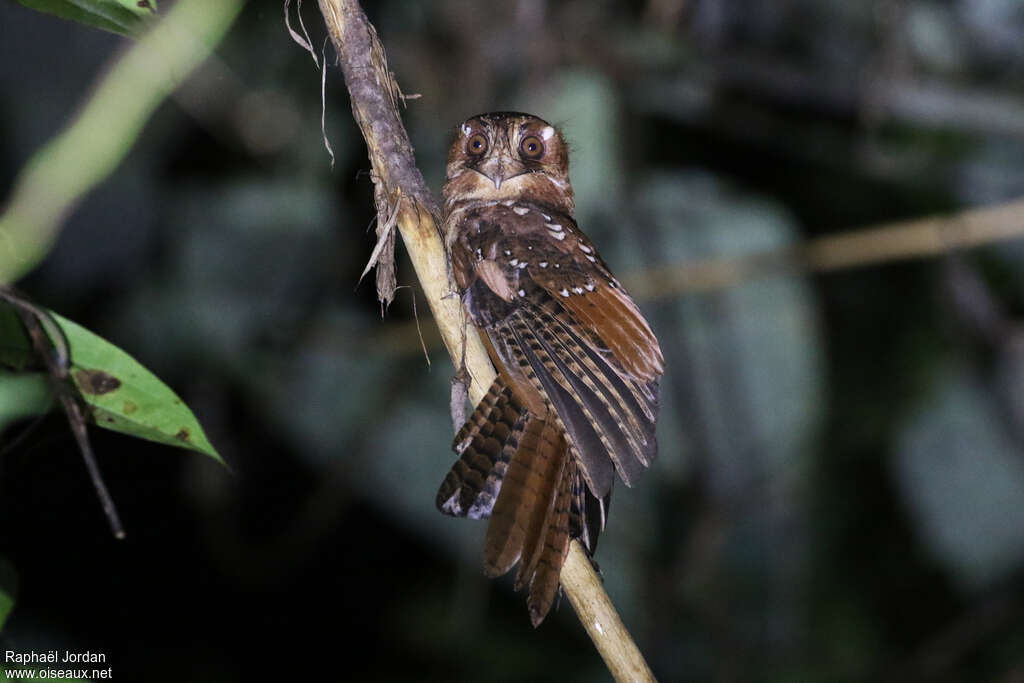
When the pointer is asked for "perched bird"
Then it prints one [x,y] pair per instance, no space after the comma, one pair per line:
[576,396]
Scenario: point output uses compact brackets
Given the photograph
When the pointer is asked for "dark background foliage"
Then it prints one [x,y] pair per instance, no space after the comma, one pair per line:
[840,489]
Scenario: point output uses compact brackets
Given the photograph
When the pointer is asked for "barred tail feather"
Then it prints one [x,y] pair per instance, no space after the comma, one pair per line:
[525,496]
[545,567]
[485,445]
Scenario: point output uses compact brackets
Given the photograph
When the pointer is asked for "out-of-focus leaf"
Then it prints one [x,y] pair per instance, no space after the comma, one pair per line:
[126,397]
[753,348]
[741,398]
[585,105]
[128,17]
[962,480]
[8,590]
[23,395]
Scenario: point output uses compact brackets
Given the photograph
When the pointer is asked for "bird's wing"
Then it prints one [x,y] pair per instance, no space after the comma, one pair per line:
[560,321]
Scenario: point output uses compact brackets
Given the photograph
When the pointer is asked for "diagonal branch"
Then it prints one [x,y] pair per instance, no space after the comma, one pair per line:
[400,191]
[399,188]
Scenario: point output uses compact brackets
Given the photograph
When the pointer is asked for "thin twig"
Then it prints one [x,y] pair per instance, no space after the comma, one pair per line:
[400,185]
[55,353]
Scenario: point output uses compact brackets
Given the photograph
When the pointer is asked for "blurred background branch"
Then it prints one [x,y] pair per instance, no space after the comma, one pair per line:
[875,245]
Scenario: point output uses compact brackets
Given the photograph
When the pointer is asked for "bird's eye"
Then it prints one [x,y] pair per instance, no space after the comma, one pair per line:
[476,145]
[531,147]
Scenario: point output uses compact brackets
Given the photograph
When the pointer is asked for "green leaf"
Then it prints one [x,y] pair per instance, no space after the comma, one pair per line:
[128,17]
[126,397]
[121,394]
[23,394]
[8,589]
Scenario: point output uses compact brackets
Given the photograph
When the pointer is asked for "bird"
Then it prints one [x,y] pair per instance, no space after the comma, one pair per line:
[575,400]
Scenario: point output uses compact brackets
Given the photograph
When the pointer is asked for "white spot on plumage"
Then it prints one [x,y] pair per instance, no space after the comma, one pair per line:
[522,292]
[557,265]
[557,235]
[590,287]
[514,262]
[508,253]
[553,226]
[547,132]
[523,265]
[578,290]
[591,259]
[564,292]
[466,130]
[520,210]
[509,202]
[584,248]
[543,264]
[545,217]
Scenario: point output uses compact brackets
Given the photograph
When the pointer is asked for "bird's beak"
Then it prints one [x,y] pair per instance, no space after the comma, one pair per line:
[500,168]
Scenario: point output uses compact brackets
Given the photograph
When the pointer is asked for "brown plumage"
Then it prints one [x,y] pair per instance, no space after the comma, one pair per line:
[576,397]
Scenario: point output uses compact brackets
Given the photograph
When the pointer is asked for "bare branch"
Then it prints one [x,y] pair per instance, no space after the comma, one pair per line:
[399,186]
[598,616]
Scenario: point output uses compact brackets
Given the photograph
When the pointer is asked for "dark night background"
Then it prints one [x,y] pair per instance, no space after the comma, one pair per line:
[840,490]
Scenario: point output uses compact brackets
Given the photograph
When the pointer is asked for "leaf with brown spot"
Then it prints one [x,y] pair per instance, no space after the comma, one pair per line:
[120,393]
[96,382]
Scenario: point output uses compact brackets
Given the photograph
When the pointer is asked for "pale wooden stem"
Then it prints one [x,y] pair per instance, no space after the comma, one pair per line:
[400,185]
[401,192]
[598,616]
